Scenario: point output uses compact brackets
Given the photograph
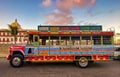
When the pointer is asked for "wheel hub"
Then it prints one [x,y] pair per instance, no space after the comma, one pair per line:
[83,62]
[16,61]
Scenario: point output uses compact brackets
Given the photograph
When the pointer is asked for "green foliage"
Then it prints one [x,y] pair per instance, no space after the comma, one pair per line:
[14,32]
[119,57]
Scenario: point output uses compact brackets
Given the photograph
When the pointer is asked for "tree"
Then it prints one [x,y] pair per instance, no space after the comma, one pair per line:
[14,32]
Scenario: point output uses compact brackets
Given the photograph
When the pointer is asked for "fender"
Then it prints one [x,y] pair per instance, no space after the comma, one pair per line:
[17,50]
[9,56]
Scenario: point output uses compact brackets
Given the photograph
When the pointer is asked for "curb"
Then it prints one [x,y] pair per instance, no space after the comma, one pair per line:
[3,55]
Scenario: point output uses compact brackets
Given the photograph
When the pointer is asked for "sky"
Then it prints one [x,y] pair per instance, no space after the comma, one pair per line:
[31,13]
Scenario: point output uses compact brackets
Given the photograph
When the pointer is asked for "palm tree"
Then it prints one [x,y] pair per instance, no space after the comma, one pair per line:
[14,32]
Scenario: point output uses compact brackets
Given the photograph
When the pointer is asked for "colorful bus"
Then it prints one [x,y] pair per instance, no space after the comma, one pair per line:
[80,44]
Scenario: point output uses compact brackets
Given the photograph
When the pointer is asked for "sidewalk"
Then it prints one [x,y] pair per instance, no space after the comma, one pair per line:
[3,55]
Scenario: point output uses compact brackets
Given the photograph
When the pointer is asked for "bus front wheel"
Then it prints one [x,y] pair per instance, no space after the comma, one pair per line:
[16,60]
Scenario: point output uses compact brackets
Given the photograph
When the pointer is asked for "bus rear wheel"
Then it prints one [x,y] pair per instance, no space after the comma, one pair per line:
[82,62]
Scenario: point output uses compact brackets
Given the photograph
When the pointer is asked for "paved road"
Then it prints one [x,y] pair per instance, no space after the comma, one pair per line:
[97,69]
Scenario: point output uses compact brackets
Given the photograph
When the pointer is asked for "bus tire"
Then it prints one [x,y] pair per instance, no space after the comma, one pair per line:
[82,62]
[16,60]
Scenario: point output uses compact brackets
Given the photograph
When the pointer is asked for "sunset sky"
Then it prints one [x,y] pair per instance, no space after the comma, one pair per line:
[31,13]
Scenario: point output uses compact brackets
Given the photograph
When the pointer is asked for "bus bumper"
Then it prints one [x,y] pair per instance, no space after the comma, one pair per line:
[8,57]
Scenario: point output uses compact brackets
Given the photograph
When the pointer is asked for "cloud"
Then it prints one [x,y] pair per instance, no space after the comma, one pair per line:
[80,22]
[62,15]
[89,11]
[93,12]
[58,18]
[66,5]
[47,3]
[83,22]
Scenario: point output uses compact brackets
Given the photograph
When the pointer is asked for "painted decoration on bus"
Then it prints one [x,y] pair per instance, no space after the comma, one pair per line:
[95,28]
[91,28]
[84,28]
[54,28]
[58,28]
[54,33]
[43,28]
[95,33]
[54,51]
[103,48]
[85,33]
[64,28]
[70,50]
[75,32]
[65,33]
[75,28]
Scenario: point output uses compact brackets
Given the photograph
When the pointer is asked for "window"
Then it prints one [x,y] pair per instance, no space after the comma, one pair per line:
[106,40]
[11,39]
[20,39]
[36,38]
[117,49]
[54,40]
[97,40]
[1,33]
[16,39]
[44,40]
[3,39]
[85,40]
[65,40]
[6,33]
[75,40]
[7,39]
[21,33]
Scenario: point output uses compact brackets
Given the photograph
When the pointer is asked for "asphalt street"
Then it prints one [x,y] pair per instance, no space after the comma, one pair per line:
[61,69]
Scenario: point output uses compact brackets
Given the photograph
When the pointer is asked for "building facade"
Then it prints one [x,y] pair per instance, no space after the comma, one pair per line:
[7,38]
[117,39]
